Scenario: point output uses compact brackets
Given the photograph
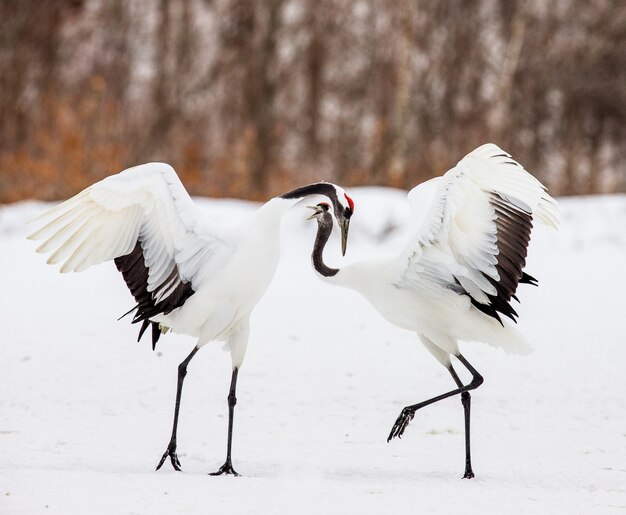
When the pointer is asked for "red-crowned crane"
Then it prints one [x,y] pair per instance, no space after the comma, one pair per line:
[186,273]
[460,269]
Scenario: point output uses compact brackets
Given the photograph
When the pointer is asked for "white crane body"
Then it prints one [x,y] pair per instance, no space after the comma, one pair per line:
[186,273]
[460,270]
[428,309]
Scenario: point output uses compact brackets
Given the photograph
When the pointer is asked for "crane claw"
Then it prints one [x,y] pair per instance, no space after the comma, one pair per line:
[171,453]
[226,469]
[402,421]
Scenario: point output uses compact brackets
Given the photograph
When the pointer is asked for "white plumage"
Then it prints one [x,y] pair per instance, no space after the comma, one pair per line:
[186,273]
[460,269]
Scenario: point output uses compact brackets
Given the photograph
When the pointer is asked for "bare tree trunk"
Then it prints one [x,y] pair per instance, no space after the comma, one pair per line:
[162,108]
[315,57]
[261,93]
[397,165]
[500,115]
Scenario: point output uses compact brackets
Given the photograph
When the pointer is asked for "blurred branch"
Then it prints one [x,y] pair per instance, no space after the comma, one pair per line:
[249,98]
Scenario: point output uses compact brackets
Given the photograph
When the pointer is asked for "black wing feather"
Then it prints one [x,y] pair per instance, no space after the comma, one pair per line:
[513,226]
[135,272]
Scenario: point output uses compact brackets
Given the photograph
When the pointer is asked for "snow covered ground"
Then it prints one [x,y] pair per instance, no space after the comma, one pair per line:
[85,411]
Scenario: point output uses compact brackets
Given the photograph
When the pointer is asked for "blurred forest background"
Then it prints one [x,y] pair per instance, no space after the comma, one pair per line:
[250,98]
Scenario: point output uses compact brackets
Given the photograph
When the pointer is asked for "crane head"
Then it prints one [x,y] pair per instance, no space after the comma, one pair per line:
[324,217]
[343,205]
[321,213]
[344,223]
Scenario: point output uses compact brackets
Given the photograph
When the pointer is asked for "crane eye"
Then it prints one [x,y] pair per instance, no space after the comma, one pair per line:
[324,206]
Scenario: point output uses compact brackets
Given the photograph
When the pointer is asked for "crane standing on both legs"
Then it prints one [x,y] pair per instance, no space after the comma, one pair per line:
[460,270]
[185,272]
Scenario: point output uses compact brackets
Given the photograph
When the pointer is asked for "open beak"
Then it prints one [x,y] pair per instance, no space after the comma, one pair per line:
[344,225]
[316,210]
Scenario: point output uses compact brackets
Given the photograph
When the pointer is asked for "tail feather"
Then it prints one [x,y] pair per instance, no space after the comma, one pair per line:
[488,330]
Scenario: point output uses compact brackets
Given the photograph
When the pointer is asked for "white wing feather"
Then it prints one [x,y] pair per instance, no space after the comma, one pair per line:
[457,241]
[146,203]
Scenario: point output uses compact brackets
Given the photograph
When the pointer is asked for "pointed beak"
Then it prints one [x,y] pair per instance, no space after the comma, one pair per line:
[315,213]
[344,225]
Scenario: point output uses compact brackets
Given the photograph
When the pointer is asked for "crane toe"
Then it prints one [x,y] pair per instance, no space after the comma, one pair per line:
[171,453]
[469,474]
[226,469]
[401,423]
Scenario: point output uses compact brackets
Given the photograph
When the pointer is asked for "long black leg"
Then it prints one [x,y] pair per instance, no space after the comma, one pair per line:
[408,412]
[466,400]
[171,448]
[227,467]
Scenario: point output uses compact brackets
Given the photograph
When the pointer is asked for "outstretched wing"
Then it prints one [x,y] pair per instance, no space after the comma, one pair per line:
[473,231]
[144,219]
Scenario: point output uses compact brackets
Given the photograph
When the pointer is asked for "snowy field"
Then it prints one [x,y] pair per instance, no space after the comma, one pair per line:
[85,411]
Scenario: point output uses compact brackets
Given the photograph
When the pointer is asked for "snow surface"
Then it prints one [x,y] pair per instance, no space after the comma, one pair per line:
[85,411]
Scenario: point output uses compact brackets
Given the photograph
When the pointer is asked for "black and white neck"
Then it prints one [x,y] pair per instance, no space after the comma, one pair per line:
[324,230]
[334,193]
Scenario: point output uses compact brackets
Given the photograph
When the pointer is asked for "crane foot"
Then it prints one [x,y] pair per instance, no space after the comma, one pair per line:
[468,474]
[402,421]
[171,453]
[226,469]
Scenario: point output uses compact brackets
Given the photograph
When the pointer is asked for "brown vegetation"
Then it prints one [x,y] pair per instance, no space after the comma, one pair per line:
[247,98]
